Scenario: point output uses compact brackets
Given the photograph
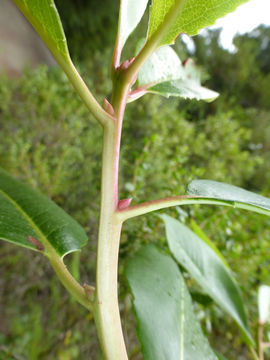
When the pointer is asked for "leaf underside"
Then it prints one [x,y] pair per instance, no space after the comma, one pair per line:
[167,326]
[130,15]
[208,269]
[31,220]
[164,74]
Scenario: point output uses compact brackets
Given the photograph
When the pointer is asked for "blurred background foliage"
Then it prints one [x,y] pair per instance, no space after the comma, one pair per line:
[49,140]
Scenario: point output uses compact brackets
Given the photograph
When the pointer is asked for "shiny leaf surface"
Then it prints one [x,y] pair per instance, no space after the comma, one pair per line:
[31,220]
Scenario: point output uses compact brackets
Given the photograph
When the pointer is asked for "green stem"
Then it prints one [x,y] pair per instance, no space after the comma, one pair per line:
[65,62]
[107,314]
[150,206]
[79,85]
[74,288]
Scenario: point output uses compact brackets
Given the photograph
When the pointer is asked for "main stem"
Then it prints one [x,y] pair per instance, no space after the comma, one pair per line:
[107,314]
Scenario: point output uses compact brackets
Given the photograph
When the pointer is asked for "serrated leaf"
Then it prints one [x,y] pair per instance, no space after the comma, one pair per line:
[232,195]
[207,269]
[130,15]
[44,17]
[167,326]
[190,17]
[264,303]
[162,66]
[31,220]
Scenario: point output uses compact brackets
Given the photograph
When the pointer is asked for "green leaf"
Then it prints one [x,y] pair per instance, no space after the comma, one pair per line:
[29,219]
[162,66]
[187,86]
[214,191]
[164,74]
[130,15]
[44,17]
[208,270]
[167,326]
[187,16]
[198,231]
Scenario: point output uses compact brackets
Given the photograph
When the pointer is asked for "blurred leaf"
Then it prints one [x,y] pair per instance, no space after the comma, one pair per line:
[214,190]
[208,270]
[29,219]
[264,303]
[220,356]
[44,17]
[167,326]
[130,15]
[191,17]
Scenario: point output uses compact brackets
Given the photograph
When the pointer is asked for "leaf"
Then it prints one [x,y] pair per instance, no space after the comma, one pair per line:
[188,16]
[130,15]
[29,219]
[207,269]
[183,89]
[230,194]
[167,326]
[264,304]
[165,71]
[162,66]
[188,86]
[44,17]
[198,231]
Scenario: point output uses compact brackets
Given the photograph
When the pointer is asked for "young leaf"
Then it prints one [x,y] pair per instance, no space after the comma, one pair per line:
[29,219]
[187,86]
[164,74]
[186,16]
[167,326]
[208,270]
[44,17]
[233,195]
[130,15]
[264,304]
[162,66]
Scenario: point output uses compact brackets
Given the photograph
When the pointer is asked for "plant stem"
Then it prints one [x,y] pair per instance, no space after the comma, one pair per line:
[74,288]
[107,314]
[79,85]
[150,206]
[260,341]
